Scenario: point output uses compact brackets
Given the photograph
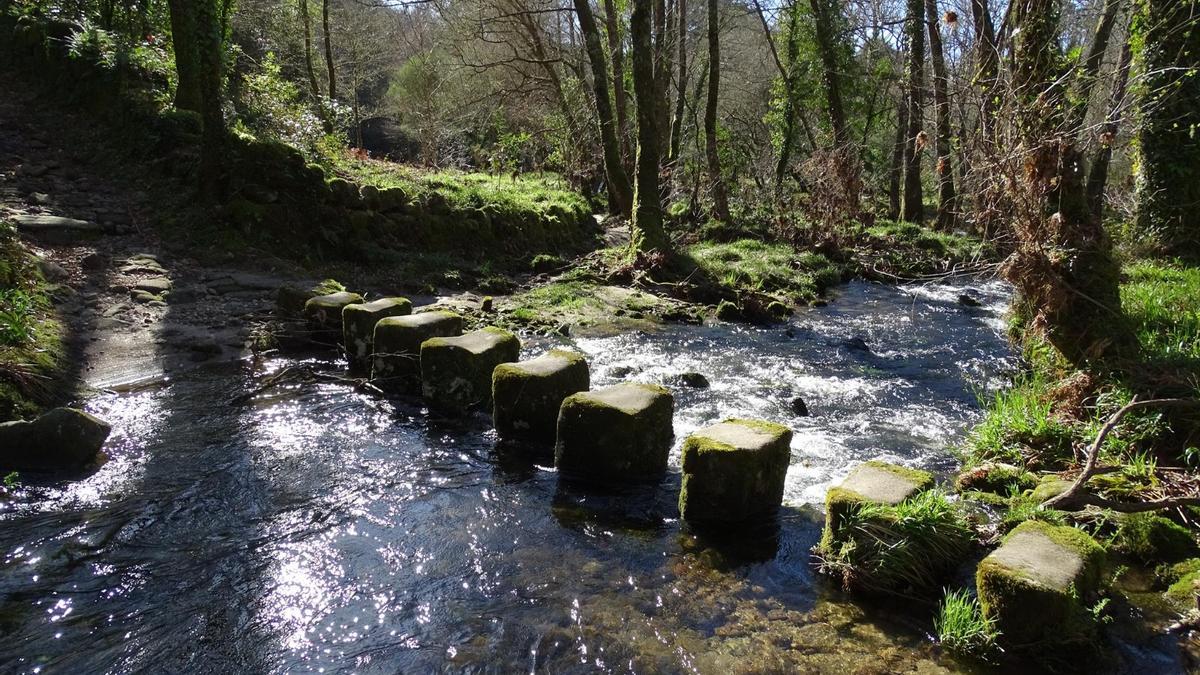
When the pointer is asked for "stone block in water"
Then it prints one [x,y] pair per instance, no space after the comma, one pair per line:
[1037,585]
[734,471]
[325,311]
[871,482]
[62,438]
[619,434]
[397,344]
[526,396]
[358,325]
[456,372]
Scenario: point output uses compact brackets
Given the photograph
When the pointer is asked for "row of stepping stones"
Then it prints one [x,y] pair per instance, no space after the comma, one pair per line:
[732,471]
[1033,586]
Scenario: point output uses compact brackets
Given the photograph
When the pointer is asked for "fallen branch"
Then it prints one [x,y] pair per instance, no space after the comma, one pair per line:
[1074,493]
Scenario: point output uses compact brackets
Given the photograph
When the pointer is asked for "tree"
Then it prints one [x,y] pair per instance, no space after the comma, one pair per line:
[329,64]
[612,21]
[713,157]
[941,104]
[681,90]
[198,36]
[1063,267]
[308,59]
[1098,178]
[614,167]
[1169,131]
[187,56]
[647,227]
[914,208]
[824,13]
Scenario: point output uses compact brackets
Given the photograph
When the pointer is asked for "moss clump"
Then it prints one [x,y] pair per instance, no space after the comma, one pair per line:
[734,471]
[757,266]
[526,396]
[1038,585]
[994,477]
[1152,538]
[1184,582]
[906,547]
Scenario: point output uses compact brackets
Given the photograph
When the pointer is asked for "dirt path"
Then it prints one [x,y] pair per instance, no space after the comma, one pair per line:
[134,310]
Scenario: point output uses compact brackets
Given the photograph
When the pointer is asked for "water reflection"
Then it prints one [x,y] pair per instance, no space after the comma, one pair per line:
[313,528]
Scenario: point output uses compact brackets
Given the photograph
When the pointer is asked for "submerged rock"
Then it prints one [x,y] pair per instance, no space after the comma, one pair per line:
[1038,584]
[968,300]
[616,435]
[527,395]
[734,471]
[63,438]
[456,372]
[799,406]
[693,380]
[358,325]
[397,344]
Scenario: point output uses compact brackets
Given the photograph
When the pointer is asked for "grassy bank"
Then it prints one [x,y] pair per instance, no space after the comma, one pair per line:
[30,335]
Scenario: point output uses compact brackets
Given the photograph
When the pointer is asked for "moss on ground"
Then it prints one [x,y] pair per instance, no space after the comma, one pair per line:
[770,268]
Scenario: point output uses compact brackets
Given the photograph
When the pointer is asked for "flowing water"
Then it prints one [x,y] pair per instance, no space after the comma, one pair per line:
[314,528]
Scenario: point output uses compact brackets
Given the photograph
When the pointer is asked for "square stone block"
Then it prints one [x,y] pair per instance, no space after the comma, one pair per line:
[872,482]
[734,471]
[1037,585]
[526,396]
[358,325]
[325,311]
[456,372]
[619,434]
[397,344]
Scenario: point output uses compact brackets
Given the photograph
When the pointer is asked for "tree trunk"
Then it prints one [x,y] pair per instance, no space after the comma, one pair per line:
[1098,178]
[987,60]
[662,77]
[308,58]
[681,98]
[941,100]
[187,56]
[824,12]
[329,66]
[1066,277]
[914,208]
[720,196]
[617,50]
[1169,184]
[896,174]
[1091,66]
[614,167]
[647,233]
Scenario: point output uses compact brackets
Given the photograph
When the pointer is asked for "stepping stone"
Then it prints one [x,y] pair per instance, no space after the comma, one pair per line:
[40,223]
[358,325]
[325,311]
[1038,584]
[734,471]
[63,438]
[154,285]
[397,343]
[456,372]
[527,395]
[616,435]
[872,482]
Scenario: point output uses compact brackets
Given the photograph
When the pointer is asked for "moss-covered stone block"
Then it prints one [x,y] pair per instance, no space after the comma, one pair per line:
[616,435]
[1037,585]
[872,482]
[397,344]
[456,372]
[526,396]
[63,438]
[324,312]
[358,325]
[734,471]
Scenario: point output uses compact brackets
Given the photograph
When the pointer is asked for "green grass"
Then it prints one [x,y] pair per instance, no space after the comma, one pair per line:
[909,546]
[1162,303]
[523,193]
[961,627]
[765,267]
[907,248]
[1020,425]
[30,335]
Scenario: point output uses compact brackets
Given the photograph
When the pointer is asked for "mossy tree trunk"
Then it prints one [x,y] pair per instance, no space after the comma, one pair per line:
[612,21]
[209,41]
[1063,266]
[711,154]
[941,103]
[914,208]
[187,58]
[896,173]
[825,15]
[614,168]
[1098,178]
[647,232]
[1169,132]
